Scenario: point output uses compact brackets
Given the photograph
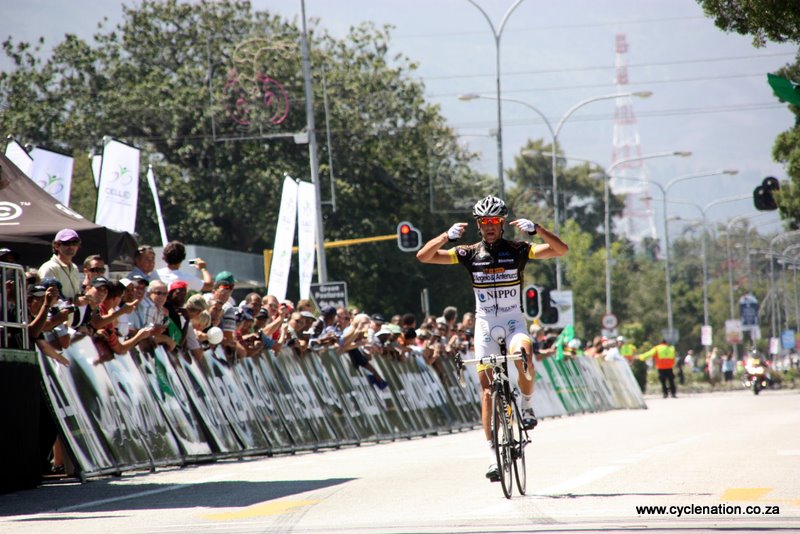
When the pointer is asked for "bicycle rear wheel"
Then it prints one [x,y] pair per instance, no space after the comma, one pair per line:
[519,440]
[501,439]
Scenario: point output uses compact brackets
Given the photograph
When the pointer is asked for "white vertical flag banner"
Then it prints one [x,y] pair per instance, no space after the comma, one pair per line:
[53,172]
[306,234]
[284,239]
[118,191]
[19,157]
[96,163]
[151,181]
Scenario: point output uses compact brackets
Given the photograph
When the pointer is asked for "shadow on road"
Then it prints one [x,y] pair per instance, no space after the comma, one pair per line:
[106,495]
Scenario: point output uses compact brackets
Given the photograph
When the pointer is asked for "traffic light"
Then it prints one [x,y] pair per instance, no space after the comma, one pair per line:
[763,194]
[533,302]
[549,312]
[408,238]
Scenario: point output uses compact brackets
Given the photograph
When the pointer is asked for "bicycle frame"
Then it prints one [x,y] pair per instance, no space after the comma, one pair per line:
[509,448]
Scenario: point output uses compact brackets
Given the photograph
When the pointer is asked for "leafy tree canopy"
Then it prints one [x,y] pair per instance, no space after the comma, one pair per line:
[765,20]
[212,92]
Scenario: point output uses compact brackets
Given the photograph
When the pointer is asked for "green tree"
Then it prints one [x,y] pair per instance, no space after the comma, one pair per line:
[777,21]
[176,79]
[765,20]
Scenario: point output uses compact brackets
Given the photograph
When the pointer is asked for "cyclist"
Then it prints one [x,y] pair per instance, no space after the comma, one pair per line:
[496,265]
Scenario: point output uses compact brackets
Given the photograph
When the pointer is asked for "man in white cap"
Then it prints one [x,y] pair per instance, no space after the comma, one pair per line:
[61,267]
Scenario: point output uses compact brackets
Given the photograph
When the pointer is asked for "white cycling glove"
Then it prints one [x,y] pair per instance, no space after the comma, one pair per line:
[455,232]
[527,226]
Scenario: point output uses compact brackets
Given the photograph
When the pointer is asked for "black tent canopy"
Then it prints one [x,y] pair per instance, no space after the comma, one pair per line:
[30,219]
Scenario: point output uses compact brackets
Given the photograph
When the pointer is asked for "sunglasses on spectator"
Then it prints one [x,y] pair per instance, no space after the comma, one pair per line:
[73,243]
[490,220]
[97,270]
[158,292]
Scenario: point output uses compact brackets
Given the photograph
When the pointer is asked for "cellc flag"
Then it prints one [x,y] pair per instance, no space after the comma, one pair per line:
[96,162]
[306,234]
[19,157]
[53,173]
[284,239]
[151,181]
[118,191]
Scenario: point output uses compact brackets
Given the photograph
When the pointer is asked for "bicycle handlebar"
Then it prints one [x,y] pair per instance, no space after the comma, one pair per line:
[491,359]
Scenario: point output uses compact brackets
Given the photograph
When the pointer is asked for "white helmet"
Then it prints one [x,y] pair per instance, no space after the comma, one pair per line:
[489,207]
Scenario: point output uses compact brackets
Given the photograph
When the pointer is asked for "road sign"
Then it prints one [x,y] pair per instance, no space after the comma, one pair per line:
[671,336]
[330,294]
[706,337]
[609,321]
[748,310]
[733,331]
[787,339]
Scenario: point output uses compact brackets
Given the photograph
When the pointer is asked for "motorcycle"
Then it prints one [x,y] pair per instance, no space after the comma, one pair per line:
[755,376]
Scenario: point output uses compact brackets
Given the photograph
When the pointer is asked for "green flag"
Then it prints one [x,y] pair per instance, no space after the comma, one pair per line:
[785,90]
[566,335]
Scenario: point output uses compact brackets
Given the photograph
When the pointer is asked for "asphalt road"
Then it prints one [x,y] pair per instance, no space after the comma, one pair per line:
[733,451]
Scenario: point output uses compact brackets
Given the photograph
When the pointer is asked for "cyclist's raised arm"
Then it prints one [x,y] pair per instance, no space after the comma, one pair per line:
[431,252]
[552,247]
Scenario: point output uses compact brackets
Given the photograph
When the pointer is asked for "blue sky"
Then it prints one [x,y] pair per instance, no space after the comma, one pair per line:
[710,90]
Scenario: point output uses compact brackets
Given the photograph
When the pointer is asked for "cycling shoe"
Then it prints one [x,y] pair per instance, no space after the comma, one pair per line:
[493,473]
[529,419]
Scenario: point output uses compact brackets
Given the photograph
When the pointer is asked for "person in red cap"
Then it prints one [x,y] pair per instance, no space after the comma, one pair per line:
[61,267]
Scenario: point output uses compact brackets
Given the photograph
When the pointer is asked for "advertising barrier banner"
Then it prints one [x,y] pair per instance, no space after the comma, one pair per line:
[152,408]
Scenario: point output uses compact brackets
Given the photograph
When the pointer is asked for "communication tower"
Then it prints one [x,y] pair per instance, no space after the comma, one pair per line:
[637,218]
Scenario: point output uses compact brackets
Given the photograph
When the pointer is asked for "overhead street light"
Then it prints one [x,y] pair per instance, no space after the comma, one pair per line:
[554,136]
[607,211]
[667,273]
[704,222]
[497,33]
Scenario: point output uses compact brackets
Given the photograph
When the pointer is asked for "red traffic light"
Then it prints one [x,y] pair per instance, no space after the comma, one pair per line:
[531,293]
[409,238]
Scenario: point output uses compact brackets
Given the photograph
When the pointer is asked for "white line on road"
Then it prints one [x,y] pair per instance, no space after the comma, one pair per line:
[599,472]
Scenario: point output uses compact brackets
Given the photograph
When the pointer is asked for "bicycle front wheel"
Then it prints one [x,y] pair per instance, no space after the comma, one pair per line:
[519,439]
[501,439]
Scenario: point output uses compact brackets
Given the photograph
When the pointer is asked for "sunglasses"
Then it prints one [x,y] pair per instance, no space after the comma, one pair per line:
[70,243]
[158,292]
[97,270]
[490,220]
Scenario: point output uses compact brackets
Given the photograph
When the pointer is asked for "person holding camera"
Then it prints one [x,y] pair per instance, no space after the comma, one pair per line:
[173,255]
[358,346]
[107,340]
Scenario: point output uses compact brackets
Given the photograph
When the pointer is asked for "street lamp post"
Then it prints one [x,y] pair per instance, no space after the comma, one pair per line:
[497,33]
[554,135]
[728,228]
[664,192]
[772,244]
[704,222]
[607,215]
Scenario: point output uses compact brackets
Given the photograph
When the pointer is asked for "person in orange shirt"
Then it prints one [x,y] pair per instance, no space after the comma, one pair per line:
[664,355]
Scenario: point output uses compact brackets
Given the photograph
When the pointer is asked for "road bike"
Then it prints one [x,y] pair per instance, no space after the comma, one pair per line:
[509,437]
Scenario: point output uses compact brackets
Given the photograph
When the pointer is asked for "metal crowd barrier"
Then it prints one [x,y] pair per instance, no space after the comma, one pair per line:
[152,408]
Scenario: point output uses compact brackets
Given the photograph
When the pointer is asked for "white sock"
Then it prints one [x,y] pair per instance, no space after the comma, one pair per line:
[527,401]
[492,455]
